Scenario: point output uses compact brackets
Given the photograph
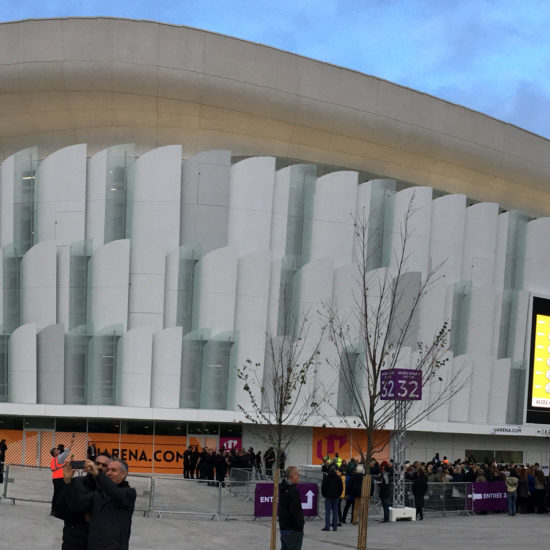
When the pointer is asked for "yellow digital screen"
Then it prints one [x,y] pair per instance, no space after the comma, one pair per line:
[540,390]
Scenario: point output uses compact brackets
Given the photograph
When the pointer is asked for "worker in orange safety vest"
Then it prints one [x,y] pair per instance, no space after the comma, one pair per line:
[59,455]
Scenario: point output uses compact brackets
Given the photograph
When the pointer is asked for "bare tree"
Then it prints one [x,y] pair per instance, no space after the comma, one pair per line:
[378,333]
[284,397]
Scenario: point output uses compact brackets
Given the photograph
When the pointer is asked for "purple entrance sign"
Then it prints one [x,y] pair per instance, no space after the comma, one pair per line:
[263,497]
[401,385]
[489,495]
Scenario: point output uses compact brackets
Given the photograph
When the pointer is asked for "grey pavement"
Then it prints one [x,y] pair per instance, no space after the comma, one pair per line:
[28,526]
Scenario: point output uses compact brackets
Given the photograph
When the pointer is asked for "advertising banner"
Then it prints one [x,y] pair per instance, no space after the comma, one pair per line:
[489,495]
[229,443]
[263,498]
[347,443]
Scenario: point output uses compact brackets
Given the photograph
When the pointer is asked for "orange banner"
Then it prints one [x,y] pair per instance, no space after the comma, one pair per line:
[347,443]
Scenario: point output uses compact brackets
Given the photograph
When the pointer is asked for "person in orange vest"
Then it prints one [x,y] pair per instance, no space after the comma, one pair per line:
[59,455]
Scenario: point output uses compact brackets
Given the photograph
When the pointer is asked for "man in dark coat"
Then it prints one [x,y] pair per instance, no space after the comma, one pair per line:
[385,490]
[291,516]
[111,506]
[419,488]
[3,449]
[269,459]
[331,489]
[76,523]
[187,462]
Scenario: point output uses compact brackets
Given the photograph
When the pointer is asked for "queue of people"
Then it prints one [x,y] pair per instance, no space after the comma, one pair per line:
[527,487]
[211,464]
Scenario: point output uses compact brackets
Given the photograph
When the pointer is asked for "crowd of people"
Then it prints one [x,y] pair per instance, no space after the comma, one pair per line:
[527,487]
[211,464]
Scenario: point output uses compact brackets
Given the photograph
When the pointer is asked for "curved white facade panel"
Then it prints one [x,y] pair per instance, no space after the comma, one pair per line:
[109,273]
[334,200]
[417,200]
[250,205]
[156,195]
[205,200]
[50,352]
[39,285]
[216,291]
[134,377]
[166,377]
[60,195]
[447,235]
[480,243]
[22,374]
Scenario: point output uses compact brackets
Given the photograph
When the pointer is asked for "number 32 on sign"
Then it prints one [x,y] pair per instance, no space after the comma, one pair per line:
[401,385]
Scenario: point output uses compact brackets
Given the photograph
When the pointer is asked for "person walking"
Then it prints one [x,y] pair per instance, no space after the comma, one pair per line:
[291,515]
[331,489]
[385,491]
[419,488]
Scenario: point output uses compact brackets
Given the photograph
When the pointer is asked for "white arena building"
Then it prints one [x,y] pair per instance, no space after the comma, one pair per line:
[160,185]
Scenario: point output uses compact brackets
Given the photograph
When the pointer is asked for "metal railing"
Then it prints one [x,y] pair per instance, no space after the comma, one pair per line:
[34,484]
[176,495]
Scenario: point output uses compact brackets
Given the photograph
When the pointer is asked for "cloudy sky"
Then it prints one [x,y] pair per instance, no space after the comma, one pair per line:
[490,55]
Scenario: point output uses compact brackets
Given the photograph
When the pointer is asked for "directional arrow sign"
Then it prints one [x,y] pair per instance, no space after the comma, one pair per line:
[263,497]
[308,504]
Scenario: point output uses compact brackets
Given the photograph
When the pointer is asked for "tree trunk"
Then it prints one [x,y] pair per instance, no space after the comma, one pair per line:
[364,517]
[273,543]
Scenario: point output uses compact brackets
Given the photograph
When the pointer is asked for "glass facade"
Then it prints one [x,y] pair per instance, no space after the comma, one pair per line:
[461,313]
[350,371]
[118,191]
[25,167]
[186,281]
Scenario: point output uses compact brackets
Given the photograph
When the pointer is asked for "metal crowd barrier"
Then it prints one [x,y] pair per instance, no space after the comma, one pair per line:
[444,497]
[143,484]
[175,495]
[28,483]
[34,484]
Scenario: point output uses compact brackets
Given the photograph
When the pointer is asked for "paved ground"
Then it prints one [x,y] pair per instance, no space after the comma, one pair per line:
[28,526]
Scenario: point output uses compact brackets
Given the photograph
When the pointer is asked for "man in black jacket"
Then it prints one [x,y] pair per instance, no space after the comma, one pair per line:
[111,506]
[291,516]
[76,522]
[331,489]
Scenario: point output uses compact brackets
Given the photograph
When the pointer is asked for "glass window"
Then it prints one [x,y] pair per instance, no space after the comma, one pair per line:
[137,427]
[203,428]
[70,425]
[39,423]
[231,430]
[170,428]
[505,457]
[105,426]
[11,423]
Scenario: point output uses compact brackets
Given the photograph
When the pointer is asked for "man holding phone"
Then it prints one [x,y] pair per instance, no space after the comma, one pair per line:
[76,521]
[110,507]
